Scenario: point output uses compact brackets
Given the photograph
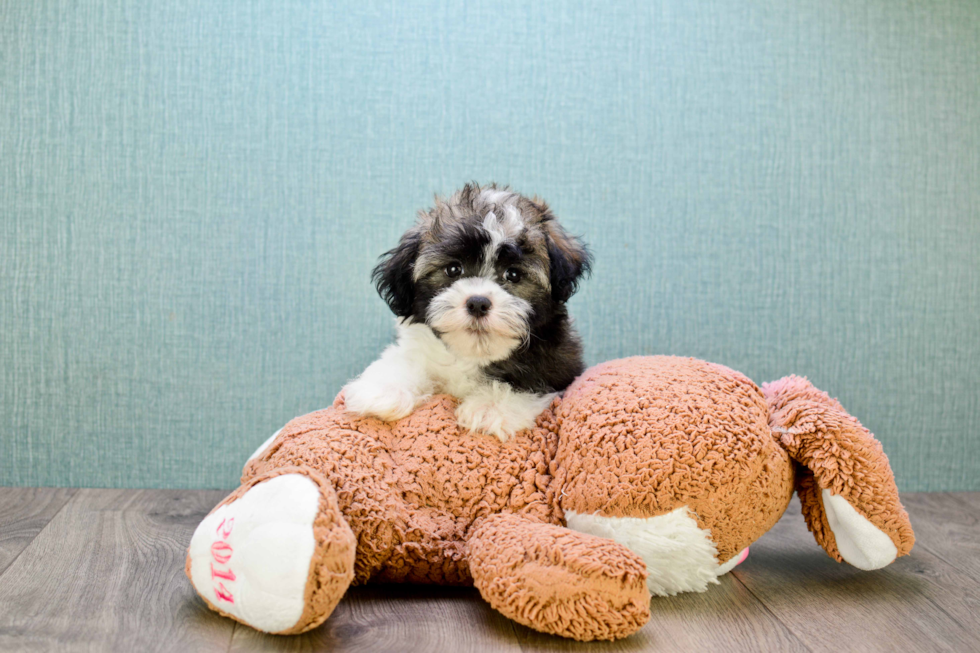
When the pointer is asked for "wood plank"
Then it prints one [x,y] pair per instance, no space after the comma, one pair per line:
[948,525]
[403,618]
[727,617]
[24,511]
[969,500]
[917,603]
[107,574]
[425,618]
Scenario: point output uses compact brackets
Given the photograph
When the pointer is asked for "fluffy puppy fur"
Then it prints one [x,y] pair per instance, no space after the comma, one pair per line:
[479,286]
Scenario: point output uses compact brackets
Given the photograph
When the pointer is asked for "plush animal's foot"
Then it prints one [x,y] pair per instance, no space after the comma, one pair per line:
[388,402]
[846,487]
[499,411]
[559,581]
[276,555]
[860,543]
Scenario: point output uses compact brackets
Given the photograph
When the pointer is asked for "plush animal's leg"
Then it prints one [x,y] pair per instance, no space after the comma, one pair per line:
[557,580]
[845,484]
[276,554]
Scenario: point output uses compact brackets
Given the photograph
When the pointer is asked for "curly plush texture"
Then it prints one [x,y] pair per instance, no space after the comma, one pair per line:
[645,435]
[422,500]
[551,578]
[838,454]
[411,490]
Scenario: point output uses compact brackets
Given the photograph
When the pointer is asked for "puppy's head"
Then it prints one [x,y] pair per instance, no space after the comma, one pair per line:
[482,269]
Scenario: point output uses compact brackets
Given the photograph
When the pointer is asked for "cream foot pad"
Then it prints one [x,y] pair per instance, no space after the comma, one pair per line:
[859,541]
[251,557]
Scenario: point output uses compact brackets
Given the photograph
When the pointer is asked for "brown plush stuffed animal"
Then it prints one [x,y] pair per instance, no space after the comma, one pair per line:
[651,475]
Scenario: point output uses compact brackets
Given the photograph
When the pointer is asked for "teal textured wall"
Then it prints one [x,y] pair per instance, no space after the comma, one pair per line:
[192,195]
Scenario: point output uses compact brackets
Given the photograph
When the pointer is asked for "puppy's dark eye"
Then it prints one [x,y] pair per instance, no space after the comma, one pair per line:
[453,270]
[513,275]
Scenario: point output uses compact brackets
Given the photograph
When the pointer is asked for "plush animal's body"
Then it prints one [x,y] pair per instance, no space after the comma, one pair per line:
[651,475]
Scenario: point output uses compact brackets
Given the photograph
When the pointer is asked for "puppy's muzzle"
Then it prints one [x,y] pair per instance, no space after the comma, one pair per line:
[478,306]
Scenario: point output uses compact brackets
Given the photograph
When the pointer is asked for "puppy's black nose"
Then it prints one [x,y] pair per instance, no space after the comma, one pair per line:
[478,306]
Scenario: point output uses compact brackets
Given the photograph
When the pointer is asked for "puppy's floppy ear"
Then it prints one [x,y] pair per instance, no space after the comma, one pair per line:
[393,274]
[570,258]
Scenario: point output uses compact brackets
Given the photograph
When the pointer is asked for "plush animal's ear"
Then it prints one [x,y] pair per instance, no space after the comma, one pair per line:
[570,259]
[393,274]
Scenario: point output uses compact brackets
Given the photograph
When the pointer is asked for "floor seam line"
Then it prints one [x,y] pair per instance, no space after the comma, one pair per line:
[932,552]
[775,616]
[955,496]
[43,528]
[936,605]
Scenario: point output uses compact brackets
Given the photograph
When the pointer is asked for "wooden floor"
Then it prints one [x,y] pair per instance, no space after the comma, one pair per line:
[103,570]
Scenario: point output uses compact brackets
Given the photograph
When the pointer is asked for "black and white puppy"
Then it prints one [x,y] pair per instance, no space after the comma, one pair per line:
[479,286]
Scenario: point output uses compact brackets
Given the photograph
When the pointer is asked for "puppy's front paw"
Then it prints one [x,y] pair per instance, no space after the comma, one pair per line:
[387,402]
[495,418]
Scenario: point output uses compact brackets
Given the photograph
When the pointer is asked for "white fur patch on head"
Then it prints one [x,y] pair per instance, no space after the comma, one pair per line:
[500,231]
[498,196]
[859,542]
[487,339]
[680,556]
